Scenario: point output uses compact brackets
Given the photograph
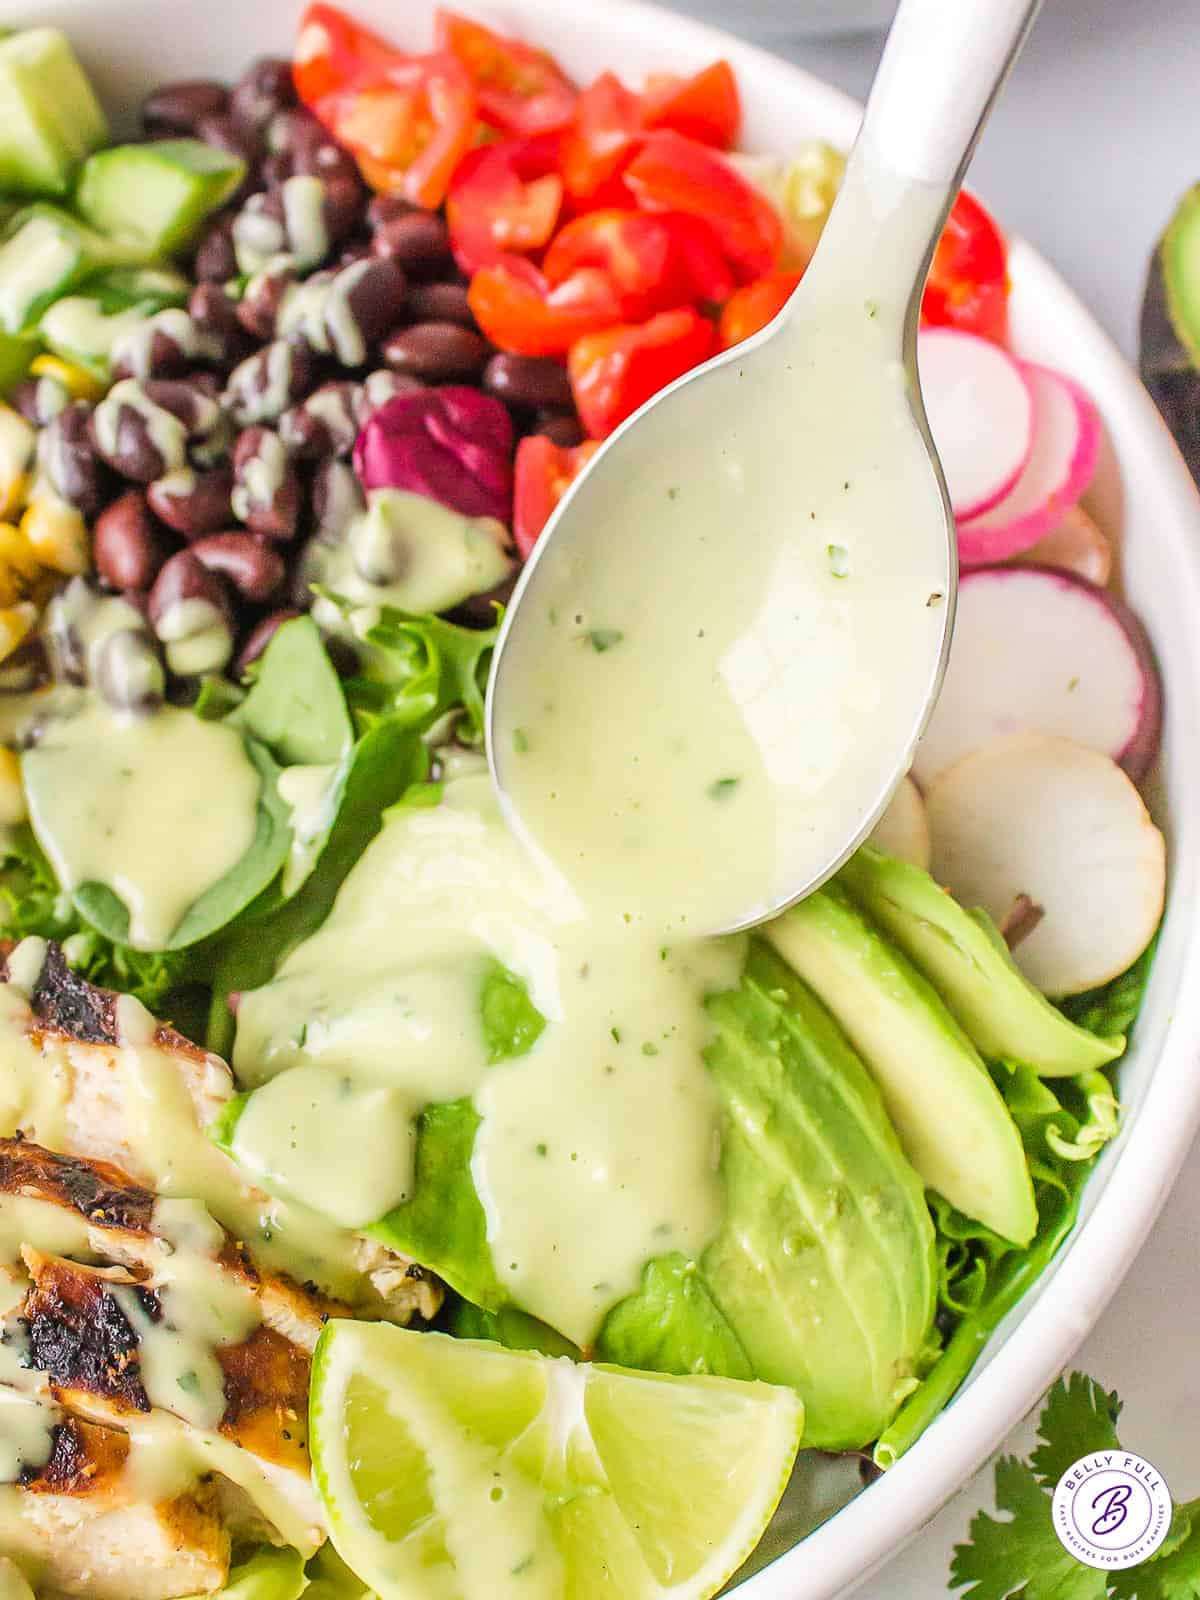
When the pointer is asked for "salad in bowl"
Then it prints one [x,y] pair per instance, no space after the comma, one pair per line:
[371,1221]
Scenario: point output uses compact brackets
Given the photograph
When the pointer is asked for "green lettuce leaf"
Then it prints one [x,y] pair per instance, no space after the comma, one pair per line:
[512,1024]
[419,669]
[515,1330]
[672,1324]
[443,1225]
[295,706]
[1112,1009]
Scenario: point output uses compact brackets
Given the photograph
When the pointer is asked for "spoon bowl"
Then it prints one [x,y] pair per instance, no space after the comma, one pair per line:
[722,653]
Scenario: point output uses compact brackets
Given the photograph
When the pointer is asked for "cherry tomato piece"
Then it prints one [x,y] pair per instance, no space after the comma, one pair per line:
[672,173]
[543,472]
[333,52]
[704,107]
[614,372]
[521,89]
[499,201]
[519,311]
[409,127]
[753,306]
[655,260]
[968,281]
[601,138]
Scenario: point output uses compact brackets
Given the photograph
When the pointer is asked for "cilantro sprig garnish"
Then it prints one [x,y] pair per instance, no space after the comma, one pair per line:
[1017,1556]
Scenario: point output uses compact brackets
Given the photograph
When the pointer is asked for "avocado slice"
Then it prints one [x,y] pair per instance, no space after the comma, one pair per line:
[47,253]
[49,117]
[157,194]
[964,957]
[1170,329]
[950,1116]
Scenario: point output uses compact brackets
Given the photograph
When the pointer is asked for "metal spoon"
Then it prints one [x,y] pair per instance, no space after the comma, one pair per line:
[606,701]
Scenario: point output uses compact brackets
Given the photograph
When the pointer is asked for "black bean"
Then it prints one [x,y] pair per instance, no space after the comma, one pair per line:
[419,241]
[440,352]
[184,578]
[215,258]
[252,567]
[325,424]
[260,636]
[193,503]
[139,439]
[128,546]
[263,90]
[263,386]
[565,430]
[259,306]
[267,492]
[39,399]
[535,381]
[177,107]
[387,207]
[374,299]
[225,132]
[67,456]
[128,672]
[439,302]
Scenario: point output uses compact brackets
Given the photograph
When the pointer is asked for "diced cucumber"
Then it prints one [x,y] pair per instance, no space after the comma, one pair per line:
[157,194]
[122,287]
[16,352]
[48,253]
[78,328]
[50,118]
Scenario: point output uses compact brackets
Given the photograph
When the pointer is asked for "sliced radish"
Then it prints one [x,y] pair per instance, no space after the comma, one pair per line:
[981,415]
[1062,826]
[1066,445]
[903,829]
[1041,651]
[1076,545]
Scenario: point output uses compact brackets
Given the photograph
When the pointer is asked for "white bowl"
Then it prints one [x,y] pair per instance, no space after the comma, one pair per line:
[1143,489]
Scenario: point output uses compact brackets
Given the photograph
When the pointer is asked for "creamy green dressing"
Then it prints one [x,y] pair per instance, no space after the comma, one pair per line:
[386,997]
[410,552]
[158,808]
[711,685]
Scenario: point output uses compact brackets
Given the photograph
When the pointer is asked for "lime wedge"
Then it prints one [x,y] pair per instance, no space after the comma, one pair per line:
[453,1469]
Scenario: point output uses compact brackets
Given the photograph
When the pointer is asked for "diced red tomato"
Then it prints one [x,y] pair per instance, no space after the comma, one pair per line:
[520,88]
[968,281]
[519,311]
[409,126]
[704,107]
[672,173]
[502,199]
[655,260]
[543,472]
[333,52]
[753,306]
[602,136]
[614,372]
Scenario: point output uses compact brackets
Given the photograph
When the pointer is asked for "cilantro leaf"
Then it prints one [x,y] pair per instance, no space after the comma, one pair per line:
[1021,1556]
[1079,1417]
[1173,1571]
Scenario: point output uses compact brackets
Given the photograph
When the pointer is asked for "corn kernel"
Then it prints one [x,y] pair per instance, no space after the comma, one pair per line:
[17,442]
[56,533]
[19,567]
[12,792]
[79,383]
[15,625]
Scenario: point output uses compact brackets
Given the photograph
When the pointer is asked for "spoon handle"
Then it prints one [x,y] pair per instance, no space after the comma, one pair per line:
[942,68]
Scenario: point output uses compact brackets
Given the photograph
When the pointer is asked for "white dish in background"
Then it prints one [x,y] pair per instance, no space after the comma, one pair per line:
[1143,492]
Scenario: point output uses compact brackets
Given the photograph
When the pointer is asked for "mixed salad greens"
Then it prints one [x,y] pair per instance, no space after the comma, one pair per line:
[911,1075]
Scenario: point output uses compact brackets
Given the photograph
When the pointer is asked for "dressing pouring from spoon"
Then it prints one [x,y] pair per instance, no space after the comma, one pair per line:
[727,642]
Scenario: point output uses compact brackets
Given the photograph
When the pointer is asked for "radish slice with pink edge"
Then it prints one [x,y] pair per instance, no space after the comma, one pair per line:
[1045,651]
[903,829]
[1048,821]
[1077,545]
[981,415]
[1066,447]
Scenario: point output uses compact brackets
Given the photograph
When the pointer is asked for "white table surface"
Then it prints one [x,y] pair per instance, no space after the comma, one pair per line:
[1095,139]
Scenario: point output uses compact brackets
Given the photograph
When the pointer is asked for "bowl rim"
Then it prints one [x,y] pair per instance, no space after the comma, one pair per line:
[1012,1372]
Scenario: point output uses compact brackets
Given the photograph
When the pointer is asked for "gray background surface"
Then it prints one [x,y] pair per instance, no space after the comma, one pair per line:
[1097,136]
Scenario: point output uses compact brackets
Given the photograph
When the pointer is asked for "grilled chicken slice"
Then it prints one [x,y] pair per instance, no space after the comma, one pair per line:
[82,1526]
[171,1333]
[89,1073]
